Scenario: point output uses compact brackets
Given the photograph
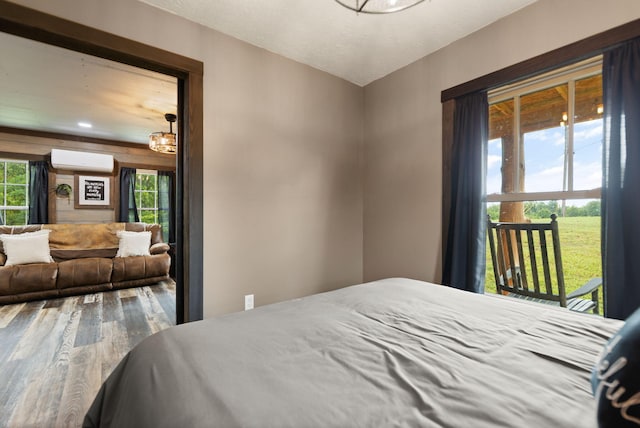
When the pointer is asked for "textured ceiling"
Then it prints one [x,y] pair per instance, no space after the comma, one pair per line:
[360,48]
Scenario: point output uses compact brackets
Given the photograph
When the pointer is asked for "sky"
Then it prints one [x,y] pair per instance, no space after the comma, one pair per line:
[544,160]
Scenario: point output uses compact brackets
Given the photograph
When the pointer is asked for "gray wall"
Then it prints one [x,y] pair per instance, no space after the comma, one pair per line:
[283,186]
[403,126]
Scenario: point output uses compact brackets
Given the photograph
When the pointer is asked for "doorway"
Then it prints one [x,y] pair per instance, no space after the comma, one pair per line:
[28,23]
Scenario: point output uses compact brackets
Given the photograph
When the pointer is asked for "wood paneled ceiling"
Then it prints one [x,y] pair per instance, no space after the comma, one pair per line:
[547,108]
[46,88]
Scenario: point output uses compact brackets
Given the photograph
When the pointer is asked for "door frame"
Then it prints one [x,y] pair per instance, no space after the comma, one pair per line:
[32,24]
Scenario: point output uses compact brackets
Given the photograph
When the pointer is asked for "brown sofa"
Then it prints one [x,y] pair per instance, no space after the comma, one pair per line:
[84,261]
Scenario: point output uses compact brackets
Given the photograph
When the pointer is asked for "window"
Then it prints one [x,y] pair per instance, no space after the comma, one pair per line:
[545,140]
[154,196]
[545,157]
[14,192]
[146,193]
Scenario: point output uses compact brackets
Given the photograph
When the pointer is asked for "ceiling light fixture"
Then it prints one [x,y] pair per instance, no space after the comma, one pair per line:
[378,6]
[164,142]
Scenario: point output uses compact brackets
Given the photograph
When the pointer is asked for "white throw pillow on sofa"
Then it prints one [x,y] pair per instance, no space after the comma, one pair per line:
[133,243]
[29,247]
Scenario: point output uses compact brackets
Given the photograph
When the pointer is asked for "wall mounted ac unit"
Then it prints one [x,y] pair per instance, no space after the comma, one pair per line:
[81,161]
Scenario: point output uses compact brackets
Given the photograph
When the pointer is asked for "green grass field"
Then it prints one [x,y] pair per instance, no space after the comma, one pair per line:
[581,259]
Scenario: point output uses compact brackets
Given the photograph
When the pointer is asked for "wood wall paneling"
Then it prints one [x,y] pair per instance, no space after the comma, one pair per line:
[66,211]
[31,146]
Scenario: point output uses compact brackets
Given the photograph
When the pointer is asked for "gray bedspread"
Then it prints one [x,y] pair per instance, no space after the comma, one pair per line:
[391,353]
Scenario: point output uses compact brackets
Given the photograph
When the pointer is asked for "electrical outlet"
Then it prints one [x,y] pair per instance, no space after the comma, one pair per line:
[248,302]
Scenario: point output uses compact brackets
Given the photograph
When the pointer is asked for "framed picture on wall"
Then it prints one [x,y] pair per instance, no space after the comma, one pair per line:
[93,191]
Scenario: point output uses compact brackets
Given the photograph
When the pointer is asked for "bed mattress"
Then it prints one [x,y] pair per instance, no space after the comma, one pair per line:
[395,352]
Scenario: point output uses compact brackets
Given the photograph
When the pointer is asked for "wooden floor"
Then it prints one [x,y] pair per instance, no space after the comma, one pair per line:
[55,354]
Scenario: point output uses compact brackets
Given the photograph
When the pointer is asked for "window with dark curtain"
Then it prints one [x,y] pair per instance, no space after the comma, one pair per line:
[621,180]
[465,256]
[166,205]
[38,192]
[128,211]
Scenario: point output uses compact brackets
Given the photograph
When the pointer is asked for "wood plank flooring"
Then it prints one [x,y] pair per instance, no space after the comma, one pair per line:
[55,354]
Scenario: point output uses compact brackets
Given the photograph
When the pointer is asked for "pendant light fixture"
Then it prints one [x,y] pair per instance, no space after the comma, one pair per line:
[378,6]
[164,142]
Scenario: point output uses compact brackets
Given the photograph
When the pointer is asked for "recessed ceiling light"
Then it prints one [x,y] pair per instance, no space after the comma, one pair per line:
[84,125]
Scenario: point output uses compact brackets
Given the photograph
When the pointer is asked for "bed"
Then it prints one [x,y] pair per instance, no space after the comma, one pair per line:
[394,352]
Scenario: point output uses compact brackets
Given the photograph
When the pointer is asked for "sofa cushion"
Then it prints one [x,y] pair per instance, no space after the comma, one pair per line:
[155,229]
[24,248]
[133,243]
[83,272]
[138,267]
[83,236]
[20,279]
[63,255]
[159,248]
[16,230]
[75,241]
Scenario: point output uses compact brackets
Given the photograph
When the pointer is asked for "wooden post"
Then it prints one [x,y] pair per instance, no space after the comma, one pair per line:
[512,165]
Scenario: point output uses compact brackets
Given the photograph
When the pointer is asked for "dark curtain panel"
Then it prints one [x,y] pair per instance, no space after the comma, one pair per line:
[38,192]
[464,262]
[166,205]
[128,211]
[621,180]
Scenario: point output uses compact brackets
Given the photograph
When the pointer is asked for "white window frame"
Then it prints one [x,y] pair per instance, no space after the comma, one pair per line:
[3,203]
[566,75]
[155,193]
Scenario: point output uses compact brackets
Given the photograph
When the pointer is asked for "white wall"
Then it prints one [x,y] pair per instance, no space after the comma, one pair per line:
[403,126]
[282,159]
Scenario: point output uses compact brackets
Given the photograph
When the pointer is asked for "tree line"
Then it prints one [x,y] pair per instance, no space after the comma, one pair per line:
[543,210]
